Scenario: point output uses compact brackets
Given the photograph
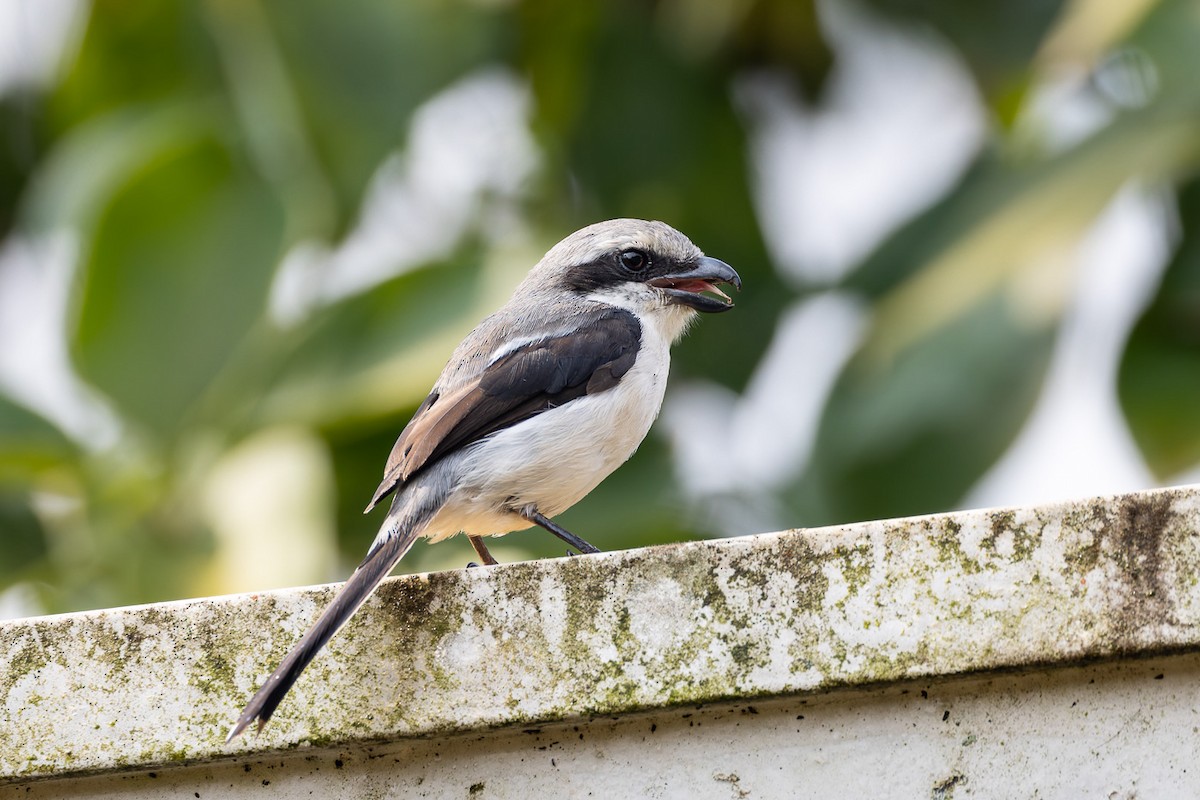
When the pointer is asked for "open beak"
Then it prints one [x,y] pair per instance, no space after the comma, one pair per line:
[687,286]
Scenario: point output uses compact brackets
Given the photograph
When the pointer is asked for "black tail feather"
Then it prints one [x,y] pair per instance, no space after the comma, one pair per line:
[375,567]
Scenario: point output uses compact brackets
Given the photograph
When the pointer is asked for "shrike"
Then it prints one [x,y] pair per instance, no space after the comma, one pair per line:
[538,404]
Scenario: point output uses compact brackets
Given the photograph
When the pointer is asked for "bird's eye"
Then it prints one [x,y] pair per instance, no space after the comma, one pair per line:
[634,260]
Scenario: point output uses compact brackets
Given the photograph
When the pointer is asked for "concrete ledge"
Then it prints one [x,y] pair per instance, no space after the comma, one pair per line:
[775,615]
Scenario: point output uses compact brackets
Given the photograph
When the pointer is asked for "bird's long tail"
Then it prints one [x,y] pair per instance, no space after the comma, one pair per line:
[400,530]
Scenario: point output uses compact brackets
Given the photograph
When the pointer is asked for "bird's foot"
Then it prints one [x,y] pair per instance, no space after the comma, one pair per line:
[530,513]
[481,549]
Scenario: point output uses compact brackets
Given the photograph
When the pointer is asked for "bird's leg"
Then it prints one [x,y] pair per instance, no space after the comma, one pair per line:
[531,513]
[481,549]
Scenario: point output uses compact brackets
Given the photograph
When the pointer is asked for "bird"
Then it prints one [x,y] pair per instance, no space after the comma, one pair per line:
[536,406]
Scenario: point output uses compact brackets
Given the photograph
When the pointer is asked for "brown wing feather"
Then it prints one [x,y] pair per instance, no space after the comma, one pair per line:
[413,446]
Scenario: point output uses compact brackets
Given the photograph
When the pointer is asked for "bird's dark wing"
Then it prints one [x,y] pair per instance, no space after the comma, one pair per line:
[530,379]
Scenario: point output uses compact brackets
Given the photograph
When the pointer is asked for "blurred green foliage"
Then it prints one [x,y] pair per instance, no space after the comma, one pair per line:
[190,148]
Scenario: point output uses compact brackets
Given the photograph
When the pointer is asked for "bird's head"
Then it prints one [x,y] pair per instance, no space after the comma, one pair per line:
[646,267]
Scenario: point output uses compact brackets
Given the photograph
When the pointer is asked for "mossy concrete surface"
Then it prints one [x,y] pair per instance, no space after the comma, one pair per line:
[782,614]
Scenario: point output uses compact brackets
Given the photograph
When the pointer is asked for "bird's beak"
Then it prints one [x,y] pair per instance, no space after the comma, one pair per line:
[685,286]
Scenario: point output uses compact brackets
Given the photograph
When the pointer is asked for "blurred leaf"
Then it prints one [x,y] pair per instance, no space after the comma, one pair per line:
[76,180]
[997,38]
[130,558]
[333,369]
[177,274]
[982,191]
[136,54]
[1013,204]
[1166,36]
[782,34]
[1001,221]
[910,436]
[1087,29]
[372,65]
[22,139]
[556,38]
[1159,381]
[28,442]
[262,96]
[21,536]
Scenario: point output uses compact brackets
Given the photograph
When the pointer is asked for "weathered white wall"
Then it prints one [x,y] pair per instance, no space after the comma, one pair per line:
[1114,732]
[889,647]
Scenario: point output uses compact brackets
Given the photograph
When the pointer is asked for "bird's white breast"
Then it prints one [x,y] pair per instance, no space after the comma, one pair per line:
[555,458]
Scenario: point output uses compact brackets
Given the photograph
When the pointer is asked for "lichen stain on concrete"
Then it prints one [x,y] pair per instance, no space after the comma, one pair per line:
[539,642]
[1149,547]
[1138,537]
[944,789]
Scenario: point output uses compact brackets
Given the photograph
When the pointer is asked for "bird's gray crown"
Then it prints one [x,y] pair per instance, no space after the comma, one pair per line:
[594,242]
